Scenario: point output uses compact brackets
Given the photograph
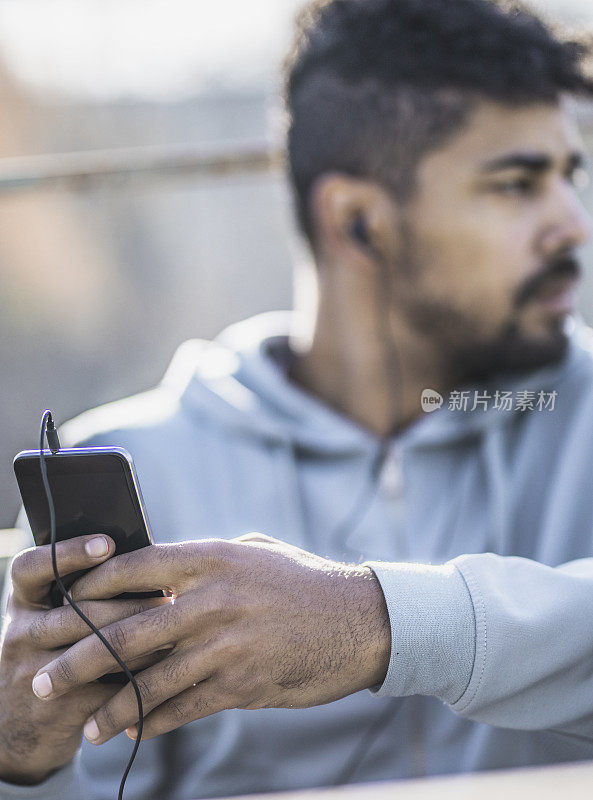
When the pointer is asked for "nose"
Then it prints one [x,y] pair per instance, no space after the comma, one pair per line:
[570,225]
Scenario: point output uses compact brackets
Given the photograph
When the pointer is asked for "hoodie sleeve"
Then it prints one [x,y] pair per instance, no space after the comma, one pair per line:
[502,640]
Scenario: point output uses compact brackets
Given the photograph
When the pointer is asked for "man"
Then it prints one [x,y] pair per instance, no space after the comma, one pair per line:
[434,156]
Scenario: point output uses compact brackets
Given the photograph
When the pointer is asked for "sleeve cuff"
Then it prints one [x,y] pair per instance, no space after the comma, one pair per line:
[62,785]
[433,638]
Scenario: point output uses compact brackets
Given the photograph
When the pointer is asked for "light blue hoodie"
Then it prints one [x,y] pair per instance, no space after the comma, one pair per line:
[492,648]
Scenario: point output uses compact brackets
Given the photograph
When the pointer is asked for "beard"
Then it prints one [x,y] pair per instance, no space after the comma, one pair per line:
[510,352]
[469,357]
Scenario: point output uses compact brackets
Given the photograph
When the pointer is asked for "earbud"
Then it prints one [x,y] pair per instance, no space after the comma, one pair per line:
[359,232]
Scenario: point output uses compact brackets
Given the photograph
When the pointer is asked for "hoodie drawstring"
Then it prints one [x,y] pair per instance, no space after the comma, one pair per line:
[286,478]
[497,494]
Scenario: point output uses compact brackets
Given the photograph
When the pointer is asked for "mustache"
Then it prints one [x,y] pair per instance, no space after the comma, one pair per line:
[563,267]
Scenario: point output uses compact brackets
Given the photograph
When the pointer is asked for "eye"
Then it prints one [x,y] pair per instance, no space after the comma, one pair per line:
[518,187]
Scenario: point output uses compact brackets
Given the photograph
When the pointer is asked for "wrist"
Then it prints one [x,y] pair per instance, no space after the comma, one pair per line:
[380,650]
[369,621]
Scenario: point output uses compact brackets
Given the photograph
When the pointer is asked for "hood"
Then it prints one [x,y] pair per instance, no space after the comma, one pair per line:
[240,379]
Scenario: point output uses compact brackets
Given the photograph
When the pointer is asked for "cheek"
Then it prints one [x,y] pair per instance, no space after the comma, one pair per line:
[476,263]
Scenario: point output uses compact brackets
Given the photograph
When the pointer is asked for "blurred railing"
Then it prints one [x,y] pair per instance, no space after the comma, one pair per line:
[79,171]
[82,170]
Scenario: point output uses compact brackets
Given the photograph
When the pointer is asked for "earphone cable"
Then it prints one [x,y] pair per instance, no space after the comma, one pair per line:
[47,426]
[383,296]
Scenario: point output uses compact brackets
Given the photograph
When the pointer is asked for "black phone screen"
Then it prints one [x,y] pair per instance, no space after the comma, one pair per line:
[92,493]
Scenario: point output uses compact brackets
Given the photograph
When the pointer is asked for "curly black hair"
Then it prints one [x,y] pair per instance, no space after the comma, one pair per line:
[373,85]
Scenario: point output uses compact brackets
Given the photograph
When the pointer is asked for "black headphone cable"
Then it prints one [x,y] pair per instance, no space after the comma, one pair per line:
[48,427]
[384,293]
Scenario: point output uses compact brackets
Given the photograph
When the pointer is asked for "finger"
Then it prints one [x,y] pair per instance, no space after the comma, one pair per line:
[82,705]
[32,571]
[88,659]
[60,627]
[194,703]
[142,663]
[158,566]
[86,701]
[172,676]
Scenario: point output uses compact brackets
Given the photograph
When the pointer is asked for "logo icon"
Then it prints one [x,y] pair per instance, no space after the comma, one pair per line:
[431,400]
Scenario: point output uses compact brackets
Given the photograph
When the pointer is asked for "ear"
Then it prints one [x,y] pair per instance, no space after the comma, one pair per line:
[352,218]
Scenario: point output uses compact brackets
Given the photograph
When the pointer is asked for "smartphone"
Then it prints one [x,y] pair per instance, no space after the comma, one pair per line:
[95,490]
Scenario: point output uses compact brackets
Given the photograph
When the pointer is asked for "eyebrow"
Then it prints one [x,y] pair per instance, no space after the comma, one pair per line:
[533,162]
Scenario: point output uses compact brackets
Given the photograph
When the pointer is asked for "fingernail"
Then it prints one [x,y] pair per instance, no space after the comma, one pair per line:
[97,547]
[132,732]
[42,685]
[91,730]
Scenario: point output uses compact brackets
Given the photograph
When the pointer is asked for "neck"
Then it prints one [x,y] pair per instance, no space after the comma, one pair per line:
[370,368]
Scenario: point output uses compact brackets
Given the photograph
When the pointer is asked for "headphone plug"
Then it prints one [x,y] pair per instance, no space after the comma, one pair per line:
[52,434]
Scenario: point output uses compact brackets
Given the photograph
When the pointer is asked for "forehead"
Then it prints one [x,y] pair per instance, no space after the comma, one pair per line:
[494,131]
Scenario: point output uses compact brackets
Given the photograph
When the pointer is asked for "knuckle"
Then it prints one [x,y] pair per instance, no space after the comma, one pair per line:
[218,553]
[109,721]
[181,558]
[176,712]
[235,694]
[138,607]
[125,564]
[22,565]
[116,636]
[64,672]
[38,629]
[174,670]
[147,692]
[155,621]
[73,621]
[200,705]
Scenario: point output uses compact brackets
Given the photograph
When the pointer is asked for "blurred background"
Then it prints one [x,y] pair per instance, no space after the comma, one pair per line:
[101,279]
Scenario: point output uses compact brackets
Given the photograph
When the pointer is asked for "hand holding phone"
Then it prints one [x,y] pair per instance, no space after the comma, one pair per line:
[95,490]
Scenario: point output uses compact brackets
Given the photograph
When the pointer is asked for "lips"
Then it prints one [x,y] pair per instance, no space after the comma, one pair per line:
[558,295]
[556,287]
